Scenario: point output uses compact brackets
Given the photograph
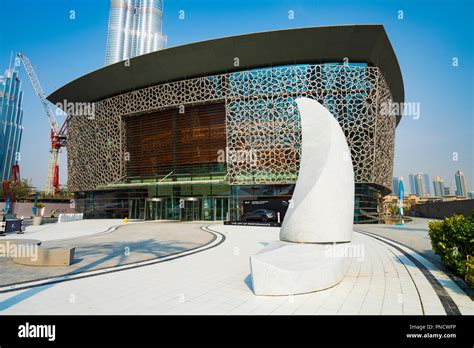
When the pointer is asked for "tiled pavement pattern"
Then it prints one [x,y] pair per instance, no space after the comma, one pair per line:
[413,234]
[380,280]
[130,243]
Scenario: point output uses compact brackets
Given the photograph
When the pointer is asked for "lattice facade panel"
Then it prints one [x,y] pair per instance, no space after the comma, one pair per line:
[262,122]
[96,149]
[385,125]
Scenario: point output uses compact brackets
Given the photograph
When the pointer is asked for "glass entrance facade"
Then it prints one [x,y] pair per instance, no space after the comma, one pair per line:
[209,202]
[180,209]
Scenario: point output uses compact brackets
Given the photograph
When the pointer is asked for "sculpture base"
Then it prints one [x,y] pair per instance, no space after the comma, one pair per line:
[284,268]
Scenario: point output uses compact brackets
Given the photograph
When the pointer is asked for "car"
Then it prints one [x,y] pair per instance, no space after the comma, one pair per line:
[263,215]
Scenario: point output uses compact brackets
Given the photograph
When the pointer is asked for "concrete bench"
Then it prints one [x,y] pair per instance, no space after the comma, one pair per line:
[48,257]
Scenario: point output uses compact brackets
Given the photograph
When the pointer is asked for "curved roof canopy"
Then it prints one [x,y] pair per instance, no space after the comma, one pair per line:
[359,43]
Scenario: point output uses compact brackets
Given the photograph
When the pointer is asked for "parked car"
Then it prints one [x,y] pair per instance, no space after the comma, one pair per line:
[260,215]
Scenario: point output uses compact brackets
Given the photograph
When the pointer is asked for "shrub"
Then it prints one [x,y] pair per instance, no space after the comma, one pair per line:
[453,240]
[470,271]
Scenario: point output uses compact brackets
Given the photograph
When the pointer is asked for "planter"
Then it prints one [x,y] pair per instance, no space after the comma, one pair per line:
[37,220]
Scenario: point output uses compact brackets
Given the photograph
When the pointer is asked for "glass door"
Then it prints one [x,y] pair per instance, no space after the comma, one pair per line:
[208,208]
[221,208]
[136,208]
[191,209]
[153,209]
[170,209]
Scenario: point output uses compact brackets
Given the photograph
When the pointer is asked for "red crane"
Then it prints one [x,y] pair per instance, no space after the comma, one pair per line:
[58,135]
[16,172]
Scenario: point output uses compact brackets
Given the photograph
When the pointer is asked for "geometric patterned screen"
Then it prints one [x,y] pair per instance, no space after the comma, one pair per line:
[262,123]
[262,120]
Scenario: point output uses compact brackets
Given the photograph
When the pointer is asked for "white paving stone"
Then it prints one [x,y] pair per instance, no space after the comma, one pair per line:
[216,281]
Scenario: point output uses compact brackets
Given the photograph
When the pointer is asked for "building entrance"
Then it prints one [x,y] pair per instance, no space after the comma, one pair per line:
[154,209]
[181,209]
[191,209]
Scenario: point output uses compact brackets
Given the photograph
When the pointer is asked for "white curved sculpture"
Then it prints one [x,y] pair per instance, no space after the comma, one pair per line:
[323,199]
[321,213]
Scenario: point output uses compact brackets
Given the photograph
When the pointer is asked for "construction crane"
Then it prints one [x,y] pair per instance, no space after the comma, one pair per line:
[16,173]
[58,135]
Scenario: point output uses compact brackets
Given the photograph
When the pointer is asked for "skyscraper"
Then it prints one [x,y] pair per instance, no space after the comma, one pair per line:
[395,183]
[461,186]
[438,186]
[419,185]
[411,178]
[11,118]
[426,182]
[447,191]
[135,28]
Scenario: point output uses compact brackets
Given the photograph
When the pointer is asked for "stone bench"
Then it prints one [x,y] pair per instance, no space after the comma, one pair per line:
[48,257]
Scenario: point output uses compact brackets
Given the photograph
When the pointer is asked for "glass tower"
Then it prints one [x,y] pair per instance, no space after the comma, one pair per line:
[419,185]
[395,185]
[438,186]
[426,179]
[461,186]
[411,178]
[11,118]
[135,28]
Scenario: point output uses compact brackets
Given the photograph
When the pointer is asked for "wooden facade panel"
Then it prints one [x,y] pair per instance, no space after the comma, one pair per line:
[168,140]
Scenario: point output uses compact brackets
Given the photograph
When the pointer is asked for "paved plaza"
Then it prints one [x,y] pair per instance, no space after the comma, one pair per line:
[119,244]
[210,274]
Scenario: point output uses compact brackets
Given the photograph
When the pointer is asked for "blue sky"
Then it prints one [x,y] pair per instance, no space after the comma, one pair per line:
[426,40]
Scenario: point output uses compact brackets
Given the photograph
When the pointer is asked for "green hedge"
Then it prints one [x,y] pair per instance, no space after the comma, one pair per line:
[453,240]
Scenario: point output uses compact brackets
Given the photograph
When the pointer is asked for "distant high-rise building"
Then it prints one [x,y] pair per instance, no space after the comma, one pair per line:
[411,179]
[418,184]
[427,183]
[438,186]
[447,191]
[11,118]
[395,183]
[461,186]
[470,195]
[135,28]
